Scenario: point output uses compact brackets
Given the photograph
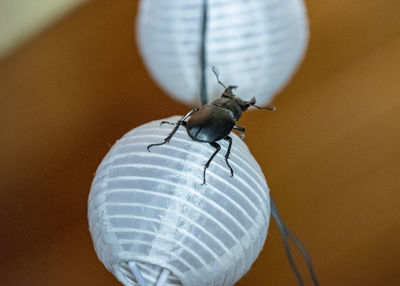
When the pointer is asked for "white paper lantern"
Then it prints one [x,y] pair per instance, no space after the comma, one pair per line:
[151,208]
[256,44]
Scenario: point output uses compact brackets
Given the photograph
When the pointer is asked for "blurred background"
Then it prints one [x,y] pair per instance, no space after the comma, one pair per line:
[72,82]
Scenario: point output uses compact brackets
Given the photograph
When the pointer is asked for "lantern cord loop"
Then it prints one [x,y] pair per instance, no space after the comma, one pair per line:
[203,83]
[136,272]
[163,277]
[286,235]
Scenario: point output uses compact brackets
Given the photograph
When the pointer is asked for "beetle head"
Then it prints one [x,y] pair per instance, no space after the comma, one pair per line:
[246,104]
[242,105]
[228,92]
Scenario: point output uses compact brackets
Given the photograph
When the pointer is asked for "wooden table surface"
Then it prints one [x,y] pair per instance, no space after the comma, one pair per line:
[331,153]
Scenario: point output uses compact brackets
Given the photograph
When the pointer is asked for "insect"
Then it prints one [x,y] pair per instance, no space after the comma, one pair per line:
[215,121]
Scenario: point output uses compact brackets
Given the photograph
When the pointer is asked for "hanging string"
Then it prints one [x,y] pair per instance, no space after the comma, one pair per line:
[203,82]
[286,235]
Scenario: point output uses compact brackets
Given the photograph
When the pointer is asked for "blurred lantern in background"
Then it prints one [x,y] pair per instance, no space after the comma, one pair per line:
[257,45]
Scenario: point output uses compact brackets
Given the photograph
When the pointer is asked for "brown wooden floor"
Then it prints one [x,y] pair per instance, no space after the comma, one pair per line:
[331,154]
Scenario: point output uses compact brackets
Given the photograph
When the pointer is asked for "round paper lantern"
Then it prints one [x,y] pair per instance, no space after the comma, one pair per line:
[152,209]
[256,44]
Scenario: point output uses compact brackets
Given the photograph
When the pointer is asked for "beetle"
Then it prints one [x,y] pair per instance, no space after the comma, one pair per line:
[215,121]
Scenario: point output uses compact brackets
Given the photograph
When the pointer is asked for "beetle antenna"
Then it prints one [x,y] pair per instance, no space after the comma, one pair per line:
[216,72]
[252,102]
[272,108]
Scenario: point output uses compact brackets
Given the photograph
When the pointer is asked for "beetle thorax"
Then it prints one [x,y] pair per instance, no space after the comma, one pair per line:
[231,105]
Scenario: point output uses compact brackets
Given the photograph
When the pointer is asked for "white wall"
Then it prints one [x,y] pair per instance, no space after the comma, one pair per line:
[22,19]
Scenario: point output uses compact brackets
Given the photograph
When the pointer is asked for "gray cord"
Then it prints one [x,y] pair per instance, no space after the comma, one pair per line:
[203,82]
[286,235]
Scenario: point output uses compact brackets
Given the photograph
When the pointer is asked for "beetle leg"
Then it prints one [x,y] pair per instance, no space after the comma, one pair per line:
[184,123]
[167,122]
[228,152]
[179,123]
[217,147]
[242,131]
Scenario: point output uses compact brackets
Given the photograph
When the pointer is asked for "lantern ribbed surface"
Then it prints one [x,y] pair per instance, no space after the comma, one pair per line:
[151,208]
[256,44]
